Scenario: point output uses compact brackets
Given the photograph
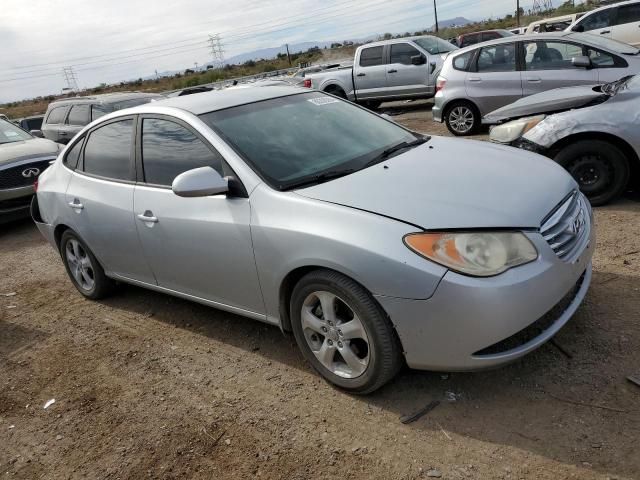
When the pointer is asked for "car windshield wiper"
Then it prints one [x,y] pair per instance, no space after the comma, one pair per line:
[319,178]
[395,149]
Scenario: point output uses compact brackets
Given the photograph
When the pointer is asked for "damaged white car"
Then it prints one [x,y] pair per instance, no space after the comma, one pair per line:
[592,131]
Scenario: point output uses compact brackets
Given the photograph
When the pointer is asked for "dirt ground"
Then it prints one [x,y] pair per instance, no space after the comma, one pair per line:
[149,386]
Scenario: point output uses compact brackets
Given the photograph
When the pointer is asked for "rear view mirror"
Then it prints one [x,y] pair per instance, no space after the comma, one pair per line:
[37,133]
[578,28]
[418,60]
[199,182]
[581,62]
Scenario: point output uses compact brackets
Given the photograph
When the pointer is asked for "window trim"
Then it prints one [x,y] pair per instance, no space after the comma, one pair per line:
[132,164]
[70,147]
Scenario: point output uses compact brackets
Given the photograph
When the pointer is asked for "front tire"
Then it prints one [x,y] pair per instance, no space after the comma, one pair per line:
[462,119]
[83,268]
[343,332]
[600,168]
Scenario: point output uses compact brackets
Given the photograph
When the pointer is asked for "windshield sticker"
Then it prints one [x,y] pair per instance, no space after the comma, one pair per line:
[323,100]
[11,134]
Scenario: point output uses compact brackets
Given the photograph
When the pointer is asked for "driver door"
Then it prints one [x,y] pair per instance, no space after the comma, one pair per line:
[200,246]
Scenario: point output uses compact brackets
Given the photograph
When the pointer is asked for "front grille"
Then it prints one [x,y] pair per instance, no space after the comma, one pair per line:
[537,328]
[565,228]
[22,175]
[15,203]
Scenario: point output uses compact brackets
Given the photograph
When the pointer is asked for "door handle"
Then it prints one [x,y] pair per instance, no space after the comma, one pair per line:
[147,217]
[361,75]
[76,205]
[393,71]
[605,32]
[475,79]
[534,80]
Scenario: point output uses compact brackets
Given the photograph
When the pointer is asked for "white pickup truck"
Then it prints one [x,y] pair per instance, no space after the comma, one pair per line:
[389,70]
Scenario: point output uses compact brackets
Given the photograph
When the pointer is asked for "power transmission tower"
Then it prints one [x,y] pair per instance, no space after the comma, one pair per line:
[217,53]
[70,78]
[541,6]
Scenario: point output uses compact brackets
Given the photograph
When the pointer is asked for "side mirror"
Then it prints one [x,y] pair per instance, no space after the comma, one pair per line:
[418,60]
[578,28]
[199,182]
[581,62]
[37,133]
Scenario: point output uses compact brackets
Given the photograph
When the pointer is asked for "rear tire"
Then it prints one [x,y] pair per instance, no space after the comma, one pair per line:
[337,91]
[462,119]
[350,342]
[83,268]
[600,168]
[372,105]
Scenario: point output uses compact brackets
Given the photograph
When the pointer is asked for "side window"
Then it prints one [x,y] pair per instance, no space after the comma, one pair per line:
[371,56]
[461,62]
[108,151]
[470,39]
[72,157]
[402,53]
[79,115]
[490,36]
[56,115]
[597,20]
[98,111]
[550,55]
[628,14]
[497,58]
[601,59]
[169,149]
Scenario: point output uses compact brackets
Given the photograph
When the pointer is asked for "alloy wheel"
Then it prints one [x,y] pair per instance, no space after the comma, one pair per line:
[80,265]
[461,119]
[335,334]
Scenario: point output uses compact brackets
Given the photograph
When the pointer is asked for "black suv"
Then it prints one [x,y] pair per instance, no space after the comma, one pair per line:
[65,118]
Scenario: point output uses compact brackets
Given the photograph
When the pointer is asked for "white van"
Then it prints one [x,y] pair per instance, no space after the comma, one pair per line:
[620,21]
[555,24]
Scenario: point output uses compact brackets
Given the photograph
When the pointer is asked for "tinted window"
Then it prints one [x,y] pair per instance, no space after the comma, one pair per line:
[371,56]
[550,55]
[79,115]
[461,62]
[402,53]
[108,151]
[597,20]
[56,115]
[498,58]
[628,14]
[98,111]
[470,39]
[168,149]
[490,36]
[33,123]
[71,159]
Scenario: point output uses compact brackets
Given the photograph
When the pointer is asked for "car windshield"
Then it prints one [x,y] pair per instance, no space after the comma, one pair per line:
[10,133]
[606,43]
[306,138]
[435,45]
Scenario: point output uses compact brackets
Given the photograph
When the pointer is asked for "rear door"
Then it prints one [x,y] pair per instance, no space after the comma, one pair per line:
[597,23]
[100,194]
[626,26]
[547,64]
[54,121]
[370,74]
[494,80]
[403,77]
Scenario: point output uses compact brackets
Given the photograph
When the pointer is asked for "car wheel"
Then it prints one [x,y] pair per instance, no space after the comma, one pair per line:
[462,119]
[344,333]
[372,105]
[600,168]
[84,270]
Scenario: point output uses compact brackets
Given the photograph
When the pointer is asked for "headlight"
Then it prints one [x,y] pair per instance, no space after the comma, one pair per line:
[479,254]
[511,131]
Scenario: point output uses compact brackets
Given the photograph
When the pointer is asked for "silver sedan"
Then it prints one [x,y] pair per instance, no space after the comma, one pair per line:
[374,245]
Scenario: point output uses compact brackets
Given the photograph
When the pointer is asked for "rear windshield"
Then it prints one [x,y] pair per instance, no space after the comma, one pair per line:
[10,133]
[606,43]
[435,45]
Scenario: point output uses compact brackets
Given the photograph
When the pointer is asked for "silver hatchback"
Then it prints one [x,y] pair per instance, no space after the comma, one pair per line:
[480,79]
[373,244]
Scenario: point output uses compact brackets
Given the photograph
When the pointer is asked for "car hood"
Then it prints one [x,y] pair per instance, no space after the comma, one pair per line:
[36,147]
[454,184]
[551,101]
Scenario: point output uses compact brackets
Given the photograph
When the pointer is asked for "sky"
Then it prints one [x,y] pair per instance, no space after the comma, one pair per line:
[113,40]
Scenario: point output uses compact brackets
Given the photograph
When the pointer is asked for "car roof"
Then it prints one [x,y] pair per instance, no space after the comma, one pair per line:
[520,38]
[392,40]
[484,31]
[612,5]
[206,102]
[104,98]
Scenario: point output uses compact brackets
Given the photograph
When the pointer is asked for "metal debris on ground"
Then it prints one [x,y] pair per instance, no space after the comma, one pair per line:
[49,403]
[452,396]
[635,379]
[10,294]
[420,413]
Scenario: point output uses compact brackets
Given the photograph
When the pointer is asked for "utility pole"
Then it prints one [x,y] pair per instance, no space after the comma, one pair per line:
[217,53]
[288,56]
[435,12]
[70,78]
[518,13]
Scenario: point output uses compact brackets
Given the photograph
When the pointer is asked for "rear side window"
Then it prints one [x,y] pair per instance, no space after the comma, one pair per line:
[550,55]
[628,14]
[461,62]
[98,111]
[169,149]
[108,151]
[79,115]
[72,157]
[371,56]
[497,58]
[402,53]
[490,36]
[56,115]
[597,20]
[470,39]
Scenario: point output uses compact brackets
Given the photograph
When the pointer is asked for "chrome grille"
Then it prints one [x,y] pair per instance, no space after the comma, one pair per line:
[566,227]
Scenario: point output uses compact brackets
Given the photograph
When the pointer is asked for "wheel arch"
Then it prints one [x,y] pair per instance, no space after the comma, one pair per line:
[58,231]
[332,87]
[622,144]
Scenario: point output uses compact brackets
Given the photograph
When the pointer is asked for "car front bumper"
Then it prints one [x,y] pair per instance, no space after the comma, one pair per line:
[476,323]
[14,203]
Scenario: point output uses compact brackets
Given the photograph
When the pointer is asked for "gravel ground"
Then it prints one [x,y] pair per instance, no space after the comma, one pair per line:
[149,386]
